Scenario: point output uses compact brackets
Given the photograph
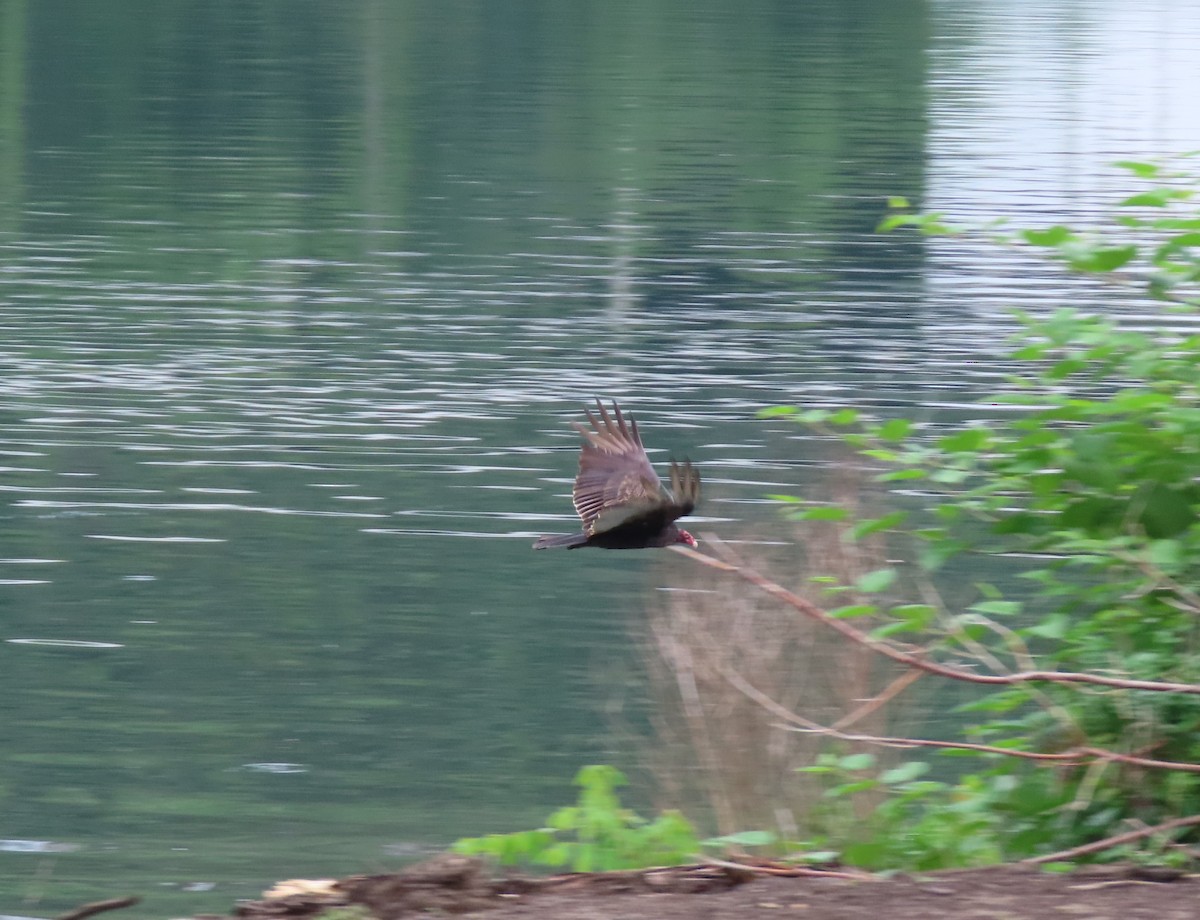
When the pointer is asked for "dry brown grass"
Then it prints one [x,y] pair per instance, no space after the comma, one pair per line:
[711,743]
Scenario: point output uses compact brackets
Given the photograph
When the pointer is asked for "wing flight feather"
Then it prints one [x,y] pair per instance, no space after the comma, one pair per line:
[616,483]
[617,493]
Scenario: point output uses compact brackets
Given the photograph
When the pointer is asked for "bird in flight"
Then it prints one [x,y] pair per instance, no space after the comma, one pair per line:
[618,496]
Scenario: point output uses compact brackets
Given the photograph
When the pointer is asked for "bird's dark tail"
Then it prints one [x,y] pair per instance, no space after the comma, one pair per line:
[569,540]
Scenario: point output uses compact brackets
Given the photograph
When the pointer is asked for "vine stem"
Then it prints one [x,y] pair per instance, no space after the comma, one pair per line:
[915,659]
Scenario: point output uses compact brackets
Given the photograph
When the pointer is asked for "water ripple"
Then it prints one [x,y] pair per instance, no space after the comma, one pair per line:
[65,643]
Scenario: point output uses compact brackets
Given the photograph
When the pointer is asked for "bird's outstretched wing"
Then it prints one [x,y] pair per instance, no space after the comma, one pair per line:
[617,485]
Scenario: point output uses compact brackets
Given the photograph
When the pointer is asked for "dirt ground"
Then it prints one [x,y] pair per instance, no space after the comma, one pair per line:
[463,887]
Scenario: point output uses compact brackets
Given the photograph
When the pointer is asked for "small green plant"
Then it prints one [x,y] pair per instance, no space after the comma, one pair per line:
[596,834]
[919,823]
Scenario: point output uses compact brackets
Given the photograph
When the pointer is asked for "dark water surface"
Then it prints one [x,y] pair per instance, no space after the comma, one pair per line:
[297,299]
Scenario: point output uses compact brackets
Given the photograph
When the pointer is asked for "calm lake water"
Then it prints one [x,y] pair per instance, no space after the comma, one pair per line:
[297,301]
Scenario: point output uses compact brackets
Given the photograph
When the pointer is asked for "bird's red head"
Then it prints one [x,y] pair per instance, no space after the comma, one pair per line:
[685,537]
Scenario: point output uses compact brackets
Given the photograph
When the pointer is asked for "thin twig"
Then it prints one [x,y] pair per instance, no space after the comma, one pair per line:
[1188,601]
[788,871]
[915,661]
[1110,842]
[801,724]
[98,907]
[885,696]
[683,666]
[1073,757]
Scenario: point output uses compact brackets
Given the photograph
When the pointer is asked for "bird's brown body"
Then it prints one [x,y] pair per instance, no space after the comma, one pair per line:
[618,495]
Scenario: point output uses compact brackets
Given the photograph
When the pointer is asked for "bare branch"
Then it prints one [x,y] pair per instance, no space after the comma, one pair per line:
[890,692]
[1109,842]
[97,907]
[790,871]
[1073,757]
[1186,600]
[910,659]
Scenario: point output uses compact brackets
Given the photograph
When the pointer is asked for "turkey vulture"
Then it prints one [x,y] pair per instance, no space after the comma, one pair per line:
[619,496]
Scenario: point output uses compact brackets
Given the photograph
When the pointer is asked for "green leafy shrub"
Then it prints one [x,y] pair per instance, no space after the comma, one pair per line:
[1091,488]
[920,824]
[594,835]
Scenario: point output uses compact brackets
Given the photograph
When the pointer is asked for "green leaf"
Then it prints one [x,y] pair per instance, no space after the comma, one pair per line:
[1140,169]
[876,581]
[1136,400]
[891,629]
[558,854]
[997,608]
[896,429]
[934,556]
[1176,245]
[823,513]
[776,411]
[905,772]
[1000,702]
[1176,223]
[928,224]
[894,221]
[887,522]
[1155,198]
[968,440]
[742,839]
[901,475]
[1058,867]
[1051,236]
[862,785]
[1166,554]
[1054,626]
[861,761]
[852,610]
[950,475]
[1105,259]
[1065,368]
[880,453]
[600,775]
[870,854]
[565,818]
[844,417]
[918,616]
